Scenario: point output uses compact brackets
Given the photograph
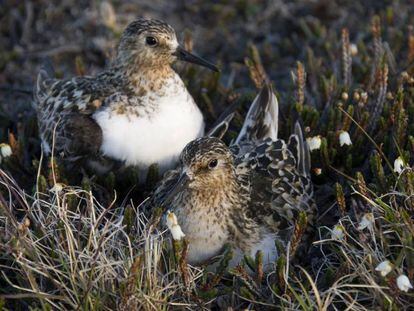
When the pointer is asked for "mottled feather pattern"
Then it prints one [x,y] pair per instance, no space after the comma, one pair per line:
[277,190]
[262,118]
[141,24]
[60,105]
[162,189]
[254,196]
[127,113]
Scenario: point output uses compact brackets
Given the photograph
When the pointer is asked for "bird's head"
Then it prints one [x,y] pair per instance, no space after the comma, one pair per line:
[207,165]
[206,162]
[153,43]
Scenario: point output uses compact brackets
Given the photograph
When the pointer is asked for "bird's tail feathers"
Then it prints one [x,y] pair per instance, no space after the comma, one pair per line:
[43,82]
[221,127]
[298,146]
[262,118]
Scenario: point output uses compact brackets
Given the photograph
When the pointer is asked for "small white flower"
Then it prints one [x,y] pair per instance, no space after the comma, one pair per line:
[384,267]
[314,142]
[356,96]
[5,150]
[317,171]
[58,187]
[353,49]
[171,219]
[404,283]
[405,75]
[174,227]
[177,233]
[367,221]
[337,233]
[108,14]
[398,165]
[364,96]
[344,139]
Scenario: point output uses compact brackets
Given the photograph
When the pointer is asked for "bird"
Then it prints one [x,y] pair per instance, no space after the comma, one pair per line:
[247,195]
[137,112]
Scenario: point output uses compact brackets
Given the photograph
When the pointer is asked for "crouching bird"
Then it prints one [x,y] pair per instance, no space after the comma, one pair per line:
[137,112]
[248,195]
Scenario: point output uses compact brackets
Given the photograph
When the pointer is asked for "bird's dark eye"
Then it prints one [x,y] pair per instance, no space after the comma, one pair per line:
[212,163]
[151,41]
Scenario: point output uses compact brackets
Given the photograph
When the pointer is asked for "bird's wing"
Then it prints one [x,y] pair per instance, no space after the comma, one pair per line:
[82,94]
[64,109]
[278,190]
[221,126]
[162,189]
[80,136]
[262,118]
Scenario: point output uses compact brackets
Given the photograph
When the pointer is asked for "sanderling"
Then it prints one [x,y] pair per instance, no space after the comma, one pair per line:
[138,111]
[247,195]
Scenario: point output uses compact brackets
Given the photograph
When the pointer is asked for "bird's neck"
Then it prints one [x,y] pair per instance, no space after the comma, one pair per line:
[226,194]
[141,78]
[224,209]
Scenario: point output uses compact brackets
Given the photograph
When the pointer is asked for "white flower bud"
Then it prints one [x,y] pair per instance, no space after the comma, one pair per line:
[58,187]
[404,283]
[344,139]
[314,143]
[398,165]
[353,49]
[367,221]
[317,171]
[356,96]
[27,222]
[364,96]
[108,14]
[5,150]
[405,75]
[337,233]
[174,227]
[384,267]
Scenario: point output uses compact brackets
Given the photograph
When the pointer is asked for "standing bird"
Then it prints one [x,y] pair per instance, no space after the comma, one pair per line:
[138,111]
[247,195]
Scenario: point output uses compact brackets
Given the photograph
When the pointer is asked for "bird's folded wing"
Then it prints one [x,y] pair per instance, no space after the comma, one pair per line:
[82,94]
[278,190]
[163,188]
[81,135]
[64,110]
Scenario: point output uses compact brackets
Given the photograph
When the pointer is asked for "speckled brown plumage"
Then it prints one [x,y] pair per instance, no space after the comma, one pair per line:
[76,113]
[248,194]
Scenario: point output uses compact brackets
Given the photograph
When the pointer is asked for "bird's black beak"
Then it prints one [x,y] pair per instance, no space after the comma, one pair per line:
[191,58]
[180,184]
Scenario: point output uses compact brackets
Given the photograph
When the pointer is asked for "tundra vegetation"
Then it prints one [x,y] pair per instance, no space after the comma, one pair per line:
[346,69]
